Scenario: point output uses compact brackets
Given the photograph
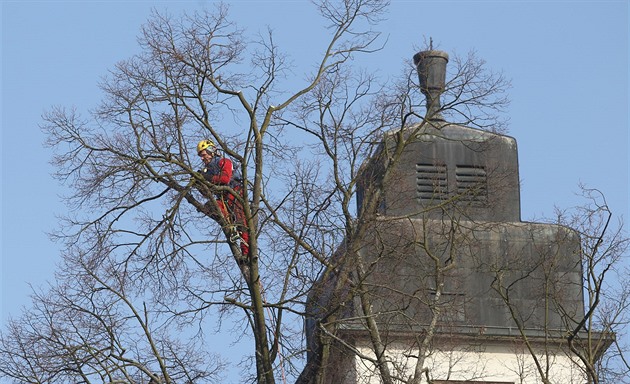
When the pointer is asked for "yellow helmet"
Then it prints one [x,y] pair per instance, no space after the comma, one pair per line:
[206,144]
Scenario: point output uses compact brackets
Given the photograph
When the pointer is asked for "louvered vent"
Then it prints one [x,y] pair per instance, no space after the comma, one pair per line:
[472,183]
[432,182]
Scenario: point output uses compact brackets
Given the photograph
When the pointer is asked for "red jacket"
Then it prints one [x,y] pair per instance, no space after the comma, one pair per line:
[219,171]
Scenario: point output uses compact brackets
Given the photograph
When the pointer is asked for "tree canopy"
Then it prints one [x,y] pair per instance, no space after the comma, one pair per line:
[149,276]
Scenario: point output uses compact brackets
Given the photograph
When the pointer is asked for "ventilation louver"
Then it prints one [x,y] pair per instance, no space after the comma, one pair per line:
[472,184]
[432,182]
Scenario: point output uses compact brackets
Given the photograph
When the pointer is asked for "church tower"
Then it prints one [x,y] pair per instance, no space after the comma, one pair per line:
[447,283]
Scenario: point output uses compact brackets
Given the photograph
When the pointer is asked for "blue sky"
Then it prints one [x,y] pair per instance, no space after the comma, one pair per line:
[567,60]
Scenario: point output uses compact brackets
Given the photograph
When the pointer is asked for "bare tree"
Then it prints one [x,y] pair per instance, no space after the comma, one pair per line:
[150,272]
[586,335]
[142,242]
[355,292]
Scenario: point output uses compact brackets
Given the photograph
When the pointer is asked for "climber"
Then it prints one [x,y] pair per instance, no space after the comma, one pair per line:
[220,171]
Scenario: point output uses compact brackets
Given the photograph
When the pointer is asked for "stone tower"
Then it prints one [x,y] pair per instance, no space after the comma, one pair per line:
[453,278]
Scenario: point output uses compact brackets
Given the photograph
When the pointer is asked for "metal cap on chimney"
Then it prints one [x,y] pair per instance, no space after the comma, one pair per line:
[431,67]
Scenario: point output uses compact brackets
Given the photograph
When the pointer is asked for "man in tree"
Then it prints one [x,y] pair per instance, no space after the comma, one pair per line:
[220,171]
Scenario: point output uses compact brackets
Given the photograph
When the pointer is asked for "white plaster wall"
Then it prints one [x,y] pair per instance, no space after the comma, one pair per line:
[502,363]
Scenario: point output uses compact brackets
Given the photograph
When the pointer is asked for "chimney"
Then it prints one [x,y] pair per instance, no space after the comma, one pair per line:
[431,67]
